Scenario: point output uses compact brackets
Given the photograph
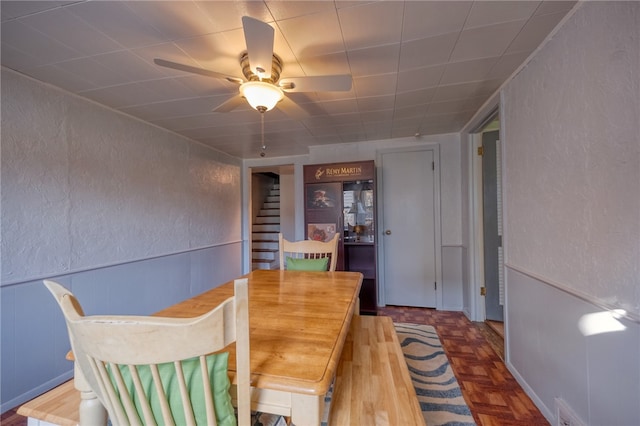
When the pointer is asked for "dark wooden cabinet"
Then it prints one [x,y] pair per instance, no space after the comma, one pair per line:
[340,198]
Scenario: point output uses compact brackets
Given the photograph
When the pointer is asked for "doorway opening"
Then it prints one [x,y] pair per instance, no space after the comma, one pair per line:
[488,189]
[272,212]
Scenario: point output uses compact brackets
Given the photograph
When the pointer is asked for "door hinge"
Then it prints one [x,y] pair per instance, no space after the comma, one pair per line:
[483,291]
[433,165]
[480,151]
[435,286]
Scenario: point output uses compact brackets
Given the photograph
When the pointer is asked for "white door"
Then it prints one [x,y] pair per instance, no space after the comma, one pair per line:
[409,228]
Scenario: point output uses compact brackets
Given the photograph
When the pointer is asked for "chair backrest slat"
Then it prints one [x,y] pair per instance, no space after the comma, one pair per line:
[141,368]
[308,249]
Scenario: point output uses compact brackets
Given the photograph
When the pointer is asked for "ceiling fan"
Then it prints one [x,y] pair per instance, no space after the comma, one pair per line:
[262,86]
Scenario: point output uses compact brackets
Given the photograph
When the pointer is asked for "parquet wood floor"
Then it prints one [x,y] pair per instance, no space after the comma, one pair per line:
[475,353]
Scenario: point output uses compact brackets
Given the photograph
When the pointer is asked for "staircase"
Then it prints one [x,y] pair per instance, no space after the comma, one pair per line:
[265,230]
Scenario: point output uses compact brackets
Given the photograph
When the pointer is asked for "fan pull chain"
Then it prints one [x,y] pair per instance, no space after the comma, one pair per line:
[262,153]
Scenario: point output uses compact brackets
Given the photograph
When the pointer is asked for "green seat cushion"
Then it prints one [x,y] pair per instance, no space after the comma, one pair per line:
[307,264]
[217,368]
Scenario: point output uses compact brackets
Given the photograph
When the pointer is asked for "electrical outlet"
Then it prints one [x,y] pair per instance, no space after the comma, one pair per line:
[565,415]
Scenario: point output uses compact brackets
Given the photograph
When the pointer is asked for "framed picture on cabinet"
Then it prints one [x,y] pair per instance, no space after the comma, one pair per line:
[321,231]
[323,196]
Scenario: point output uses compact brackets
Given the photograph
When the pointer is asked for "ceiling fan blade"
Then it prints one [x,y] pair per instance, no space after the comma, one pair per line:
[195,70]
[321,83]
[230,104]
[259,38]
[292,109]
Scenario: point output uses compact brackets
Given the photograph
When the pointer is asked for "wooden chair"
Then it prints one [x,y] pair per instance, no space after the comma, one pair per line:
[148,370]
[309,249]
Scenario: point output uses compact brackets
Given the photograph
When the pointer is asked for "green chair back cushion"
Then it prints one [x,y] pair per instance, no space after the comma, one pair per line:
[294,264]
[217,368]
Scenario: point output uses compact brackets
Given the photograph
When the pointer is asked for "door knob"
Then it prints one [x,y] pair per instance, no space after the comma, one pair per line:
[387,232]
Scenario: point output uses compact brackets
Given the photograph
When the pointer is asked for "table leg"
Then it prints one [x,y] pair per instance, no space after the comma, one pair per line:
[91,411]
[306,410]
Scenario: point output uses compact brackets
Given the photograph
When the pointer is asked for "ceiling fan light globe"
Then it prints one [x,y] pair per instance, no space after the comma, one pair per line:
[261,94]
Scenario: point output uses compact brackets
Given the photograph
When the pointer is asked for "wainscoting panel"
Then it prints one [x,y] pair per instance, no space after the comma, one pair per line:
[34,336]
[597,375]
[452,278]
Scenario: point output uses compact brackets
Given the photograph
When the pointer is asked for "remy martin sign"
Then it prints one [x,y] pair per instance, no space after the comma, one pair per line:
[339,172]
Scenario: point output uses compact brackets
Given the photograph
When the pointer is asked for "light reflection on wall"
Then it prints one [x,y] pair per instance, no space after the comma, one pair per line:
[601,322]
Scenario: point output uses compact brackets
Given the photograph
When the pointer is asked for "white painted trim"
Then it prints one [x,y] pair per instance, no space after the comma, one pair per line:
[435,147]
[476,230]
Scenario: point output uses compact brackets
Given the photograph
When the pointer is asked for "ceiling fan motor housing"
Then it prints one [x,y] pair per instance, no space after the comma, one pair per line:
[276,69]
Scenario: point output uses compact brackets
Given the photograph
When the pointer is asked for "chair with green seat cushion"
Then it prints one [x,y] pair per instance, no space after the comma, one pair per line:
[308,255]
[148,370]
[294,264]
[217,371]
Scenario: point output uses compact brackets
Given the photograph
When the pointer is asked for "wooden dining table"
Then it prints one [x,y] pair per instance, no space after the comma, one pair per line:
[298,325]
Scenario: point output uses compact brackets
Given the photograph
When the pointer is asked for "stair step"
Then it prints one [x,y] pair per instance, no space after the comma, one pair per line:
[267,219]
[270,212]
[265,245]
[272,199]
[264,236]
[264,255]
[265,264]
[274,193]
[267,227]
[276,186]
[271,206]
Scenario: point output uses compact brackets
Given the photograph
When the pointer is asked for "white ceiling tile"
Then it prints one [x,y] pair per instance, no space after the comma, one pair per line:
[376,103]
[217,52]
[61,78]
[507,65]
[371,24]
[340,107]
[375,85]
[419,78]
[313,35]
[26,39]
[334,63]
[15,9]
[474,70]
[414,97]
[485,42]
[534,32]
[132,67]
[334,96]
[428,51]
[374,60]
[379,116]
[292,9]
[454,106]
[554,6]
[92,71]
[424,19]
[457,91]
[18,59]
[199,85]
[227,15]
[118,22]
[71,31]
[485,13]
[409,112]
[174,19]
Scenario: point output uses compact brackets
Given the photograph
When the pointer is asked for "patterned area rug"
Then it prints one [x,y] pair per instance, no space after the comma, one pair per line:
[438,391]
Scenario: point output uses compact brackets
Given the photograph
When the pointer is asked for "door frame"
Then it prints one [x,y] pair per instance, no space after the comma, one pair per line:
[435,147]
[477,219]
